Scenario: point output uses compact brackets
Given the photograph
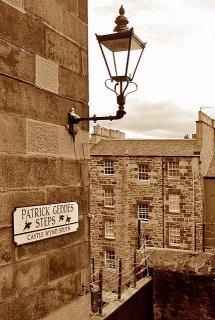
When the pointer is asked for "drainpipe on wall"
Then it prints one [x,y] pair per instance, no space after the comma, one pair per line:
[194,224]
[163,221]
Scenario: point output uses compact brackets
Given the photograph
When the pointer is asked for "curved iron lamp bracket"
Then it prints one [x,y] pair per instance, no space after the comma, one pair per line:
[74,119]
[136,87]
[114,90]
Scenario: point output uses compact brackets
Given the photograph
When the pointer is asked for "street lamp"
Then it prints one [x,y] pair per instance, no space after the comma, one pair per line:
[122,52]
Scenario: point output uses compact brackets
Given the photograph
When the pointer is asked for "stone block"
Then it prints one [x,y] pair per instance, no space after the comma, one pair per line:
[31,33]
[65,143]
[85,179]
[6,246]
[69,260]
[31,273]
[7,288]
[70,5]
[68,173]
[17,62]
[44,246]
[85,277]
[62,51]
[11,200]
[65,194]
[63,290]
[46,74]
[63,262]
[33,103]
[30,304]
[13,134]
[82,145]
[83,10]
[84,65]
[42,138]
[19,172]
[73,85]
[59,18]
[18,4]
[6,310]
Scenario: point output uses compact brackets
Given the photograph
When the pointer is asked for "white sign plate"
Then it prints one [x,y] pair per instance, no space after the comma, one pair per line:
[36,223]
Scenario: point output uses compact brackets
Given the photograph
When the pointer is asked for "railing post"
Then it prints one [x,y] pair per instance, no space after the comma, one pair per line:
[100,289]
[120,279]
[203,237]
[135,268]
[139,234]
[195,237]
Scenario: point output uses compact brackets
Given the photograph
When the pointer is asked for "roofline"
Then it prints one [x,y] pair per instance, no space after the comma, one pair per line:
[140,139]
[137,156]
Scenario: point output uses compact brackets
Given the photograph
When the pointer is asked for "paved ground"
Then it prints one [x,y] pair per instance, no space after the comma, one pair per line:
[80,309]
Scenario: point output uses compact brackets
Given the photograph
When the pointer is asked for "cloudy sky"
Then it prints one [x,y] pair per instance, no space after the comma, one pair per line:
[176,76]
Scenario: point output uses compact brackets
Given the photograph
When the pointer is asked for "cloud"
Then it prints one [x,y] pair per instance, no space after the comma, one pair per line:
[168,32]
[161,119]
[201,4]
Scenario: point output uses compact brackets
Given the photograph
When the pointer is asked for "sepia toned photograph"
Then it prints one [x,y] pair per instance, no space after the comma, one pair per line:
[107,160]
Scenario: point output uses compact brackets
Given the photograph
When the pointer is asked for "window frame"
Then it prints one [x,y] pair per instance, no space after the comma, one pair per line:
[146,205]
[108,168]
[109,229]
[108,204]
[143,173]
[174,205]
[173,235]
[174,171]
[110,261]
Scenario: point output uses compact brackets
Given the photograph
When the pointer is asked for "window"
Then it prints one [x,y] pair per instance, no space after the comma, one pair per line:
[110,259]
[143,211]
[143,172]
[173,169]
[108,167]
[174,203]
[108,198]
[174,236]
[109,229]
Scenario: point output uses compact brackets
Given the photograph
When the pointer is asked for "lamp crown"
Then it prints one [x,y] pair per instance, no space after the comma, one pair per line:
[121,21]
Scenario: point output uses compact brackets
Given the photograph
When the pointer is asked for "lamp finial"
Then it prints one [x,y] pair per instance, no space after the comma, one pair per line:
[121,21]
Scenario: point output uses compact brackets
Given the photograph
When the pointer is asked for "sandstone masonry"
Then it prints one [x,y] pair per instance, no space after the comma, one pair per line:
[43,74]
[157,191]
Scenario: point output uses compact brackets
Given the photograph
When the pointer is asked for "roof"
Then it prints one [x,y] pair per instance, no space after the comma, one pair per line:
[131,147]
[211,170]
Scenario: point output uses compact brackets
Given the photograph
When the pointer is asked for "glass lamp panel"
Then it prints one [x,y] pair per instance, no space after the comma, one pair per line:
[116,45]
[133,62]
[122,52]
[116,61]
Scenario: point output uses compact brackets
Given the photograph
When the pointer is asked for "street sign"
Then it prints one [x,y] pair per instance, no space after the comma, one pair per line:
[36,223]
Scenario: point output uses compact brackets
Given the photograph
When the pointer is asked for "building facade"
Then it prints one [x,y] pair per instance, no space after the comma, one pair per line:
[43,74]
[149,191]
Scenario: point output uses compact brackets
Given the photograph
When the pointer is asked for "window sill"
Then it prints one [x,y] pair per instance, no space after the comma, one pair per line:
[109,207]
[174,178]
[109,238]
[174,245]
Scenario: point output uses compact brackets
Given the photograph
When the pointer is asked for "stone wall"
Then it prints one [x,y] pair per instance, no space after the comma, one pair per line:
[129,191]
[43,74]
[205,139]
[183,285]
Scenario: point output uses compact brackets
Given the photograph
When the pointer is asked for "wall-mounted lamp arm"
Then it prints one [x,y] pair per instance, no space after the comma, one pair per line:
[73,118]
